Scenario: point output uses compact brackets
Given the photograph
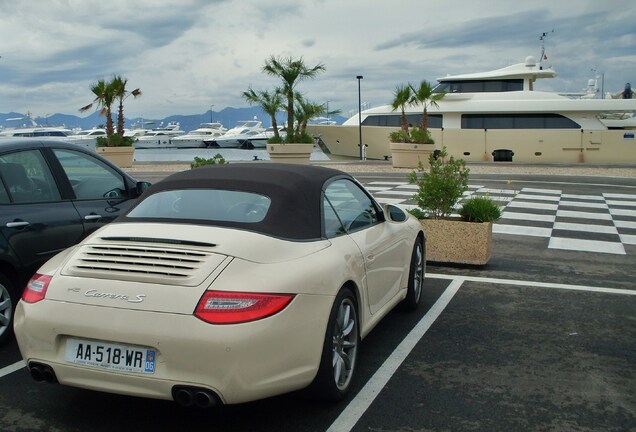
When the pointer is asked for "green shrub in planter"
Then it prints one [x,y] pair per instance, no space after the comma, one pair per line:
[440,188]
[480,209]
[115,140]
[416,136]
[421,136]
[216,160]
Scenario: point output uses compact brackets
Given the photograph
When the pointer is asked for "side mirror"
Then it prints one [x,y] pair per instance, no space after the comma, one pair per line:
[141,187]
[394,213]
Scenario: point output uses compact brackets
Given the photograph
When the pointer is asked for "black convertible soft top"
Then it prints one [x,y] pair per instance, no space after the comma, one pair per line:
[295,192]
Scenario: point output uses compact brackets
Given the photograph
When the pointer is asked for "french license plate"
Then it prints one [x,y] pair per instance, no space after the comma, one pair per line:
[115,357]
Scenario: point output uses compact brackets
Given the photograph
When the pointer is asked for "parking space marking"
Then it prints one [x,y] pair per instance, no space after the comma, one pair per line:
[586,245]
[12,368]
[533,284]
[363,400]
[359,405]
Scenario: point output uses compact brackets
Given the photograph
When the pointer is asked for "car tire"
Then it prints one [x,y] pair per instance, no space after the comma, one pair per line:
[7,307]
[340,349]
[416,276]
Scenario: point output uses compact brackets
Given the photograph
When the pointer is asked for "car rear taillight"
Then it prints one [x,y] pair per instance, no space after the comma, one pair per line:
[36,288]
[221,307]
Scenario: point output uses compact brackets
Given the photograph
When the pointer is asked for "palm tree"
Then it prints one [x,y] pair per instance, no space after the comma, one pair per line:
[424,95]
[306,110]
[120,92]
[104,98]
[401,98]
[291,71]
[271,103]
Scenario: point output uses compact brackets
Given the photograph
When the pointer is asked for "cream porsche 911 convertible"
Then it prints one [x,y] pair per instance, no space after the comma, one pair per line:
[224,284]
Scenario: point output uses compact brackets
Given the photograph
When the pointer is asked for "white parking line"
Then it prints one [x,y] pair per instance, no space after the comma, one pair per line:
[357,407]
[533,284]
[363,400]
[12,368]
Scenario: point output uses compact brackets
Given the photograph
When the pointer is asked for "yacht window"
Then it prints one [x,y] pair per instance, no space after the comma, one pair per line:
[394,120]
[473,87]
[479,86]
[560,122]
[517,121]
[530,122]
[499,122]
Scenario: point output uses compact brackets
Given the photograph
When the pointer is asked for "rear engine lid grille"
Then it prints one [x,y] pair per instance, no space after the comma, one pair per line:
[144,261]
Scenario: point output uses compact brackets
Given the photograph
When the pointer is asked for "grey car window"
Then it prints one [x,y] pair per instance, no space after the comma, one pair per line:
[353,207]
[90,177]
[204,204]
[27,178]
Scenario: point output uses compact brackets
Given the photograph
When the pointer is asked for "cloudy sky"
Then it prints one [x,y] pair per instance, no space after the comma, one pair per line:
[187,55]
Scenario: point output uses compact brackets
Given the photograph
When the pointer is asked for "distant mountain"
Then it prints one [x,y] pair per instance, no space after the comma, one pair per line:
[228,117]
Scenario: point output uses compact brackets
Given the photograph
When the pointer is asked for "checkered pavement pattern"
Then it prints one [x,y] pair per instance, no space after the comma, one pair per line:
[603,223]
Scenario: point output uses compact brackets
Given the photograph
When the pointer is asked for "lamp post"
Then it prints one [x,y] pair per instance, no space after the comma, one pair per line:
[359,78]
[211,106]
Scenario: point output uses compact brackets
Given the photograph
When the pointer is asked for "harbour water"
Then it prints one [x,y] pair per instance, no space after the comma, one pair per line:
[188,155]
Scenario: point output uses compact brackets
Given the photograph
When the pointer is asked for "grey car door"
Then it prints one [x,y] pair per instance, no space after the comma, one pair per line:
[35,222]
[100,191]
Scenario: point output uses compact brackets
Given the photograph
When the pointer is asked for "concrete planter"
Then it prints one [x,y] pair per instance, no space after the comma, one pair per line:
[120,156]
[290,152]
[407,155]
[457,241]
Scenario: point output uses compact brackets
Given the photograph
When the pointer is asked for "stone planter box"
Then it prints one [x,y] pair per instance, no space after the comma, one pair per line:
[408,155]
[120,156]
[290,152]
[457,241]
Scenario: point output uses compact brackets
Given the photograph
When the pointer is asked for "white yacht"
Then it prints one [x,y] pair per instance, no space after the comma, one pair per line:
[86,138]
[498,116]
[259,140]
[160,137]
[238,136]
[44,132]
[195,138]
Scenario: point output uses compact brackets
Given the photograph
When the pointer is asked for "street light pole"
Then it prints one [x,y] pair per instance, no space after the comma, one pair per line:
[211,106]
[359,78]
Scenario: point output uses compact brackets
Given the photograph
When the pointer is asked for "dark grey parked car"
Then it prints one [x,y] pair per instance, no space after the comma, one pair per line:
[52,194]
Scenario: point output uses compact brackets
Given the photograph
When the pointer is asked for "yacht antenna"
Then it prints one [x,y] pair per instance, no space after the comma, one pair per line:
[544,35]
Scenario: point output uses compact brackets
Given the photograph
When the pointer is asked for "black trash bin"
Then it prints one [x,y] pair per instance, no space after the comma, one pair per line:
[503,155]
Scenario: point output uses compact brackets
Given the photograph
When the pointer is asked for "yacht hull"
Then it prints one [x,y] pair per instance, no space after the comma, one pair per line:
[504,145]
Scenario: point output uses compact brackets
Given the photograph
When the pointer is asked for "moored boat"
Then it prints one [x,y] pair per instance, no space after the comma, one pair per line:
[160,137]
[195,138]
[238,135]
[498,116]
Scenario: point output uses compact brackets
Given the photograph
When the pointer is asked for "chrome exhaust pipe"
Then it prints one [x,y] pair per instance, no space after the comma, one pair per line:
[194,396]
[41,373]
[37,372]
[49,375]
[204,399]
[183,396]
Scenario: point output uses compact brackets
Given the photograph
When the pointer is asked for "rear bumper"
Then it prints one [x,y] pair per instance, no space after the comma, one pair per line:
[239,363]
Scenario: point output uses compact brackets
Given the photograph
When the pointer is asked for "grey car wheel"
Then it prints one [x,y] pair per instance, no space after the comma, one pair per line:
[6,309]
[416,276]
[340,349]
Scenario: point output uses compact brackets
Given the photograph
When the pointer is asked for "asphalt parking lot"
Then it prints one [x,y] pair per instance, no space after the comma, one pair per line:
[541,338]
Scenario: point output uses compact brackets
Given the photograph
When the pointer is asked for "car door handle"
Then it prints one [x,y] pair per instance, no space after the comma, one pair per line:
[17,224]
[92,217]
[370,258]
